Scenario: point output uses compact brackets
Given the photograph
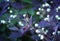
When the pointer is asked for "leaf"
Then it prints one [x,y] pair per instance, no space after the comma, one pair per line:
[13,28]
[31,12]
[14,35]
[4,17]
[35,37]
[23,11]
[3,27]
[27,1]
[15,11]
[14,21]
[1,0]
[44,23]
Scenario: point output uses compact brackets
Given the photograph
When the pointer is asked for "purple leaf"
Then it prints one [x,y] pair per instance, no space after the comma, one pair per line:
[13,28]
[15,35]
[44,23]
[35,37]
[17,5]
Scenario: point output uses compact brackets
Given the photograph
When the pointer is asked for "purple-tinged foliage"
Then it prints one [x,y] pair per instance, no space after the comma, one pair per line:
[47,28]
[44,23]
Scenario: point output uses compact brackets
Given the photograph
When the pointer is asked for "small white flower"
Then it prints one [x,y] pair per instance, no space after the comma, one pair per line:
[20,23]
[39,35]
[36,25]
[14,16]
[46,19]
[43,5]
[39,8]
[46,32]
[46,4]
[27,19]
[48,16]
[42,37]
[48,9]
[42,9]
[41,16]
[11,16]
[8,7]
[38,13]
[11,11]
[24,15]
[51,1]
[57,17]
[54,33]
[58,7]
[58,32]
[7,0]
[3,21]
[37,31]
[42,29]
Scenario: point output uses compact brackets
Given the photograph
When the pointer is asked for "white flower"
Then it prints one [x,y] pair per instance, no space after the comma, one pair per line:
[39,8]
[7,0]
[8,7]
[46,19]
[11,11]
[42,9]
[51,1]
[57,17]
[48,9]
[42,29]
[46,32]
[37,31]
[20,23]
[48,16]
[54,33]
[3,21]
[14,16]
[38,13]
[39,35]
[11,16]
[46,4]
[43,5]
[24,15]
[58,32]
[58,7]
[42,37]
[36,25]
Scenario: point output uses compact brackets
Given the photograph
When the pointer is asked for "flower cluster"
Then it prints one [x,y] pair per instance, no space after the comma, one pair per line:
[33,19]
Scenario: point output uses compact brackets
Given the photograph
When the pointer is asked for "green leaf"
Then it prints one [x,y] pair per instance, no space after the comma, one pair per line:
[1,0]
[23,11]
[27,1]
[16,12]
[5,16]
[3,27]
[31,12]
[14,21]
